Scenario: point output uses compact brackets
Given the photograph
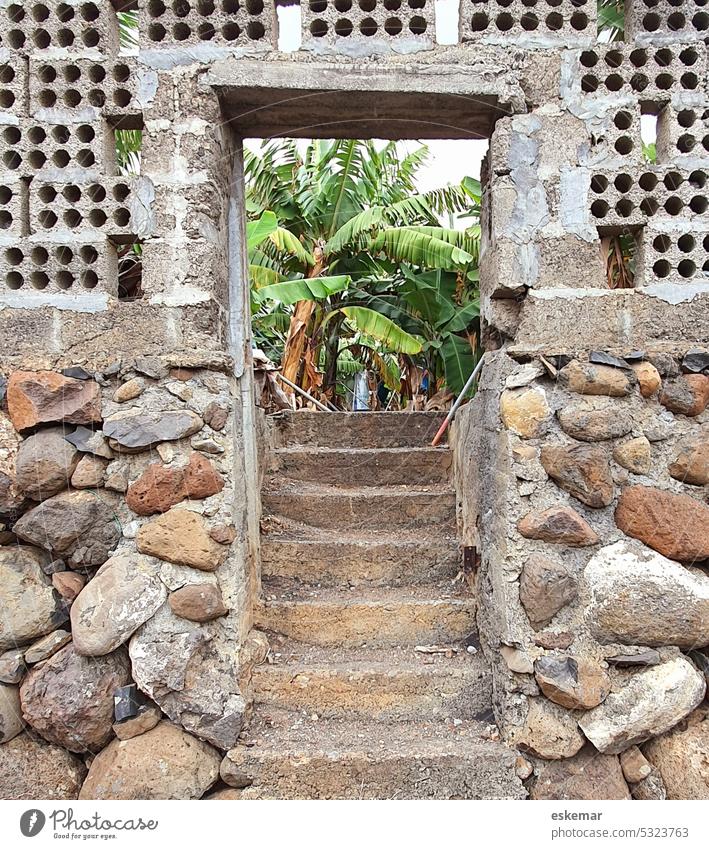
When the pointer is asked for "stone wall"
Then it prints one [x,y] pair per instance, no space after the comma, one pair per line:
[128,462]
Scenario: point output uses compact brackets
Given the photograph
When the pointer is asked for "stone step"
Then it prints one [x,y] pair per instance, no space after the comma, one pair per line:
[362,466]
[292,757]
[398,684]
[355,430]
[372,616]
[334,558]
[326,506]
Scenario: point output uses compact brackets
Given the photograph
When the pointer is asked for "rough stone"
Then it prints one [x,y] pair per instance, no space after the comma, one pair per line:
[31,768]
[135,430]
[561,525]
[545,587]
[587,775]
[223,534]
[517,660]
[582,470]
[549,732]
[68,584]
[78,527]
[181,536]
[10,713]
[190,675]
[151,367]
[695,361]
[44,465]
[649,379]
[227,794]
[163,763]
[650,789]
[12,503]
[687,395]
[634,455]
[35,398]
[47,646]
[160,487]
[638,597]
[649,703]
[147,717]
[129,390]
[572,682]
[12,666]
[89,474]
[198,602]
[68,699]
[554,639]
[90,442]
[590,379]
[635,765]
[524,411]
[691,465]
[650,657]
[125,592]
[594,424]
[215,415]
[675,525]
[682,757]
[30,607]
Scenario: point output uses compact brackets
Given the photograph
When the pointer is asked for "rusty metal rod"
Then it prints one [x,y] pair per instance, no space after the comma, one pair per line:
[458,401]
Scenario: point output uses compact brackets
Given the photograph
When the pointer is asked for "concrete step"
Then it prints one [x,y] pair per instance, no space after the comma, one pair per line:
[336,558]
[355,430]
[327,506]
[362,466]
[292,757]
[397,684]
[372,616]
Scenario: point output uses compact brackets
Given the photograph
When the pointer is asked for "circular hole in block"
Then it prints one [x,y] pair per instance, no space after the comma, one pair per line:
[86,158]
[11,135]
[40,13]
[624,145]
[64,255]
[663,57]
[588,59]
[181,31]
[61,134]
[64,279]
[648,181]
[120,192]
[368,27]
[599,209]
[613,58]
[686,243]
[47,218]
[589,83]
[180,8]
[479,22]
[71,193]
[554,21]
[698,204]
[254,7]
[623,120]
[6,195]
[156,8]
[614,82]
[72,73]
[676,21]
[61,158]
[231,31]
[14,280]
[623,183]
[649,206]
[46,74]
[97,97]
[97,218]
[689,57]
[685,143]
[72,218]
[389,5]
[96,193]
[664,81]
[156,32]
[121,97]
[651,22]
[89,279]
[418,4]
[579,21]
[88,254]
[47,98]
[599,183]
[689,81]
[36,159]
[16,39]
[700,21]
[121,217]
[65,37]
[121,73]
[205,7]
[639,82]
[418,25]
[674,205]
[5,219]
[91,37]
[206,32]
[7,99]
[318,28]
[343,6]
[504,22]
[14,257]
[39,280]
[39,256]
[255,30]
[90,12]
[393,26]
[624,208]
[661,268]
[686,117]
[638,58]
[318,6]
[698,179]
[530,22]
[36,135]
[47,194]
[687,268]
[41,39]
[85,133]
[72,98]
[673,180]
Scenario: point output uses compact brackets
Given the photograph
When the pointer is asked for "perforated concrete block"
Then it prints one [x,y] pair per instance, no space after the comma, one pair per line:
[532,23]
[361,26]
[663,21]
[673,256]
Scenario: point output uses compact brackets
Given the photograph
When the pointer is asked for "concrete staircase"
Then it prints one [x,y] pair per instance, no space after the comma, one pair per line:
[360,565]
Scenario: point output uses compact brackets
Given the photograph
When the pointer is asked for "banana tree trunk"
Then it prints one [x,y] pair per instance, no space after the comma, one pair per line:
[295,342]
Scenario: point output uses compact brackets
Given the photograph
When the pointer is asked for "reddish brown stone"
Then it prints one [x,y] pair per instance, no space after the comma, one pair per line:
[675,525]
[225,534]
[215,416]
[558,524]
[159,488]
[68,584]
[554,639]
[198,602]
[688,395]
[40,397]
[691,465]
[183,374]
[582,470]
[587,775]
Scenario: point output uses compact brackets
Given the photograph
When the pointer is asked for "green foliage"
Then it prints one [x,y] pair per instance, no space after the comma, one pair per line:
[611,22]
